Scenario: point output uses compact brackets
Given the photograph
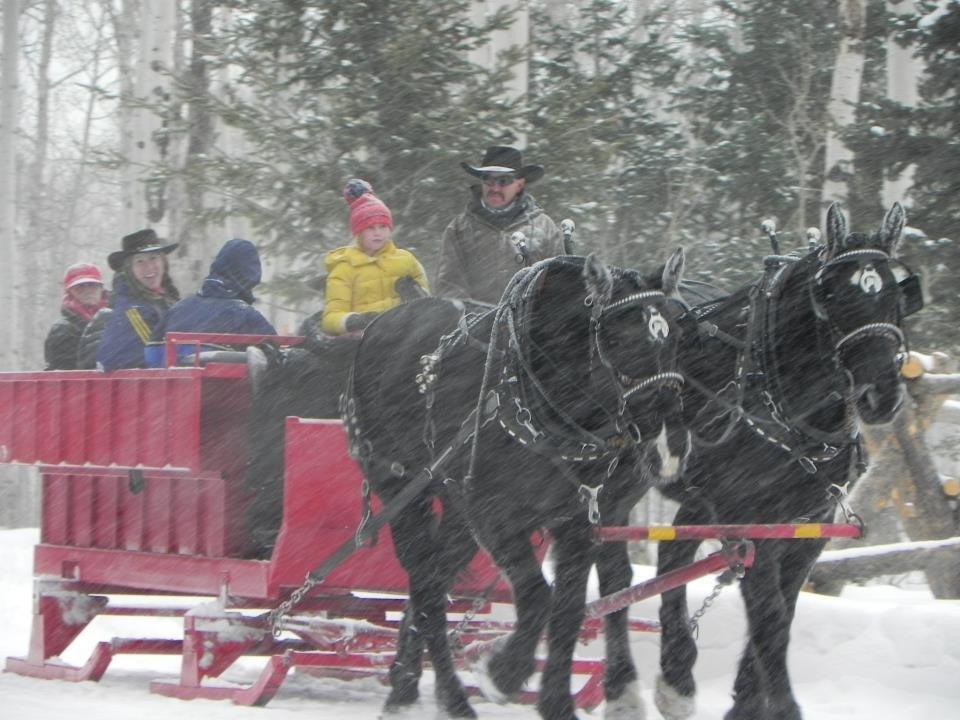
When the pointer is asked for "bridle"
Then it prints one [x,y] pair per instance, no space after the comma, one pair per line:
[865,258]
[791,430]
[659,328]
[756,363]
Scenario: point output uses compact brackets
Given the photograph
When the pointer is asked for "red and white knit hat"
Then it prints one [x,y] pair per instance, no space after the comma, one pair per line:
[366,209]
[81,273]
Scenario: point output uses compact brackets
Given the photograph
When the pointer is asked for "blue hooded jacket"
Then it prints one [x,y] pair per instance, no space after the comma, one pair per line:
[223,303]
[132,322]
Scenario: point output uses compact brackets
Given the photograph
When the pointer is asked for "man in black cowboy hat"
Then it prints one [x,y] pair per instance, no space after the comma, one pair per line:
[501,230]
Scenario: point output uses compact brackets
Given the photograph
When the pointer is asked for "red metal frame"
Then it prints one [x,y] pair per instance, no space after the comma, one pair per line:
[783,531]
[142,474]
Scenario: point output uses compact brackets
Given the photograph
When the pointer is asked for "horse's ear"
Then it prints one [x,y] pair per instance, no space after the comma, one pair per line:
[598,280]
[892,227]
[836,229]
[673,273]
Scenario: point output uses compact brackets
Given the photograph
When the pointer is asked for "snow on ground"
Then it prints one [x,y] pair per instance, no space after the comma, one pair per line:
[876,653]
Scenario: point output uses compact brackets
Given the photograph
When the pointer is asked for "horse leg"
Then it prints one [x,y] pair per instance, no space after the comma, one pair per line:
[512,661]
[794,563]
[620,674]
[573,555]
[768,627]
[407,666]
[676,689]
[425,619]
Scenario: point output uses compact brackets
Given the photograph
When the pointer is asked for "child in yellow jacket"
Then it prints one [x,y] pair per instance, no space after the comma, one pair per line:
[362,277]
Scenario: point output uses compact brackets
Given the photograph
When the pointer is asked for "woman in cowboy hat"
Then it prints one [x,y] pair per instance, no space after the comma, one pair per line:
[143,292]
[501,230]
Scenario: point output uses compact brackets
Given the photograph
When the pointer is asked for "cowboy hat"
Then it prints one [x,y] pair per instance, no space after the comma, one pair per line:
[504,159]
[141,241]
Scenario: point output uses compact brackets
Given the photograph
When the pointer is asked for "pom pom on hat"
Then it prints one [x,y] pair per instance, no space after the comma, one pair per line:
[366,209]
[355,188]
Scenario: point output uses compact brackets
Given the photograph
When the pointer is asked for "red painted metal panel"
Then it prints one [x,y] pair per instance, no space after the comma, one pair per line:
[131,418]
[99,431]
[118,571]
[81,493]
[55,508]
[105,511]
[158,497]
[171,513]
[322,510]
[186,504]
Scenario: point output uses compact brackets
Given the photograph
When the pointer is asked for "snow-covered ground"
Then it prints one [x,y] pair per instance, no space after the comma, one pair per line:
[875,653]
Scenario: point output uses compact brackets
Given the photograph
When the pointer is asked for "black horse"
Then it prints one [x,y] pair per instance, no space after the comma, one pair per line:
[782,370]
[573,390]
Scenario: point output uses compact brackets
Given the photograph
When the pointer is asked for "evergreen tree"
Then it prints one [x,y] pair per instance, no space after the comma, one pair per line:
[614,158]
[325,91]
[755,100]
[925,138]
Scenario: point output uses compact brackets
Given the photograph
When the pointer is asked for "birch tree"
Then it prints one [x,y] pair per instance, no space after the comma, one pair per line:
[844,97]
[904,68]
[144,187]
[40,255]
[8,167]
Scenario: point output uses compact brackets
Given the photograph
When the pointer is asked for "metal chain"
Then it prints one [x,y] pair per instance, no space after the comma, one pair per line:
[276,616]
[734,572]
[470,614]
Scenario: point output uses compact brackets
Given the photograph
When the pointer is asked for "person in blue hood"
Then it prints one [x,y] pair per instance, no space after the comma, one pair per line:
[224,301]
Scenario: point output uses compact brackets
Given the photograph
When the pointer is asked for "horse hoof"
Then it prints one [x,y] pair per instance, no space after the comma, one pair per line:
[489,689]
[628,706]
[458,710]
[410,711]
[671,704]
[397,704]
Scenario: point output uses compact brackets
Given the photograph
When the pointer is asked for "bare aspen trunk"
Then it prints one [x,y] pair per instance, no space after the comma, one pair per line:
[518,35]
[8,198]
[844,96]
[198,247]
[145,192]
[903,72]
[40,253]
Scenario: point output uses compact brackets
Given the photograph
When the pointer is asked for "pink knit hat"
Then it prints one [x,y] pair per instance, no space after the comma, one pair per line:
[81,273]
[366,209]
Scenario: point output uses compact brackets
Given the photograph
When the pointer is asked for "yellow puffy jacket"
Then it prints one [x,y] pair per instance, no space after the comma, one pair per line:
[360,283]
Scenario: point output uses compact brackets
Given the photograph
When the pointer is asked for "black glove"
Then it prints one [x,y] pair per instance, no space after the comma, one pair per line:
[407,289]
[358,321]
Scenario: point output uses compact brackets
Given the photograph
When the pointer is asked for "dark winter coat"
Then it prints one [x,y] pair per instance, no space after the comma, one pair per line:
[90,339]
[60,347]
[223,303]
[135,315]
[478,255]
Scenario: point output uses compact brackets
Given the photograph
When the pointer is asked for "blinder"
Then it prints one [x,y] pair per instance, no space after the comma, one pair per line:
[911,294]
[911,289]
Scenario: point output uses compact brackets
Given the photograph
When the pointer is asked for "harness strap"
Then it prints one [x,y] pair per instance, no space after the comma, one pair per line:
[711,330]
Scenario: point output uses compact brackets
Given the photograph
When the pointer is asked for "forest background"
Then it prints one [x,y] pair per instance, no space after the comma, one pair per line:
[660,123]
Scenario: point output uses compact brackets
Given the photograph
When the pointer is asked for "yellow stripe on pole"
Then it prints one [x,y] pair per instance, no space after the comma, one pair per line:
[663,533]
[812,530]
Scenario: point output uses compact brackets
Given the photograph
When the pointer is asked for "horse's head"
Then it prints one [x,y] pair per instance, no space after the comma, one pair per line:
[856,294]
[635,333]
